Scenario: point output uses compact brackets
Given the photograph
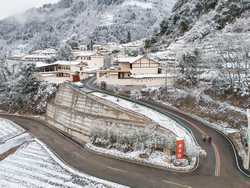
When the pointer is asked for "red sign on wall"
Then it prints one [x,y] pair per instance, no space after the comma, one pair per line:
[180,148]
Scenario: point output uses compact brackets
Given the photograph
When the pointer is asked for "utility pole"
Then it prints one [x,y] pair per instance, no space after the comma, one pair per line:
[166,76]
[166,79]
[247,159]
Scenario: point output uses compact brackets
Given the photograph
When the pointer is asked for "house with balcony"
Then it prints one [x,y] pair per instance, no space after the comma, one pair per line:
[61,71]
[89,58]
[139,71]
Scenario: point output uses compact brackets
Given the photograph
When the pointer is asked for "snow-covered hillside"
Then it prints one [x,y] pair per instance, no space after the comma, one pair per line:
[101,20]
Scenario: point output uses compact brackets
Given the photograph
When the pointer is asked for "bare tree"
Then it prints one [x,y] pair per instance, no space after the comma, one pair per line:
[235,63]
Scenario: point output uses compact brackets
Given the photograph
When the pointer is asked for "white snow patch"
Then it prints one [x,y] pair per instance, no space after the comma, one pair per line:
[9,130]
[14,142]
[34,165]
[144,5]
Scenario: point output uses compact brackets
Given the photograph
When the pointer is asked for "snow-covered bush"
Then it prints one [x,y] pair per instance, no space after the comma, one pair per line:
[132,139]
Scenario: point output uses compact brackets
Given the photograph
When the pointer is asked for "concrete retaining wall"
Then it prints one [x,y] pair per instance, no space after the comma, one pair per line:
[76,113]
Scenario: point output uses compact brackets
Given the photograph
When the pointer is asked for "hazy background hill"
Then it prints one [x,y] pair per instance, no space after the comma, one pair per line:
[195,20]
[100,20]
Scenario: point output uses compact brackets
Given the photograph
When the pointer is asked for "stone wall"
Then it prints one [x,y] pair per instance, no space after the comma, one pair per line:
[76,113]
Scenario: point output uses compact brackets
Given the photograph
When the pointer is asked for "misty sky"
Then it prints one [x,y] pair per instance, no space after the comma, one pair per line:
[11,7]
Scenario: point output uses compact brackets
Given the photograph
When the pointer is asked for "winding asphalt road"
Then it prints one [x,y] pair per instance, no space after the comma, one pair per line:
[218,170]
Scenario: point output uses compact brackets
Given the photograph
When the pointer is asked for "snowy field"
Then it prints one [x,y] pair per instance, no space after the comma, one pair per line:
[33,165]
[191,147]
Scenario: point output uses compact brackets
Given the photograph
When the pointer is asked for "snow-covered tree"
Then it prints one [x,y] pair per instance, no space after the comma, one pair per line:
[234,64]
[127,139]
[189,63]
[65,53]
[21,91]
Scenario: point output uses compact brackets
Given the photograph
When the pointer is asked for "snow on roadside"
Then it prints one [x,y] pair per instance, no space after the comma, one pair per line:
[157,159]
[8,130]
[14,142]
[33,165]
[164,121]
[76,172]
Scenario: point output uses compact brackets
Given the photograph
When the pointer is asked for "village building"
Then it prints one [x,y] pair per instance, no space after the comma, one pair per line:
[35,56]
[139,71]
[90,58]
[61,71]
[48,52]
[41,55]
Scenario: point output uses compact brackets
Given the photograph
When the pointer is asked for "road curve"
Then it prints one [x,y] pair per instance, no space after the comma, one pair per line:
[126,173]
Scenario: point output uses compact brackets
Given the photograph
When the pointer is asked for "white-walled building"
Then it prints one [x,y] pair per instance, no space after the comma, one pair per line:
[138,71]
[89,58]
[62,71]
[36,56]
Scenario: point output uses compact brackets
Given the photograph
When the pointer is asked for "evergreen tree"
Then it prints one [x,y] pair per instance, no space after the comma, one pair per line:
[22,92]
[65,53]
[189,63]
[90,46]
[129,37]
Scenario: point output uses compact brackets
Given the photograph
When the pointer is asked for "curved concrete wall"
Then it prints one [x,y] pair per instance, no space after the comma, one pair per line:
[76,113]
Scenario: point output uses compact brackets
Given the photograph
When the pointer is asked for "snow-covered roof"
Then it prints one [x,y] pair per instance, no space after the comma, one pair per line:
[90,70]
[66,63]
[40,56]
[19,55]
[46,51]
[50,50]
[138,43]
[149,76]
[36,52]
[41,64]
[128,59]
[84,53]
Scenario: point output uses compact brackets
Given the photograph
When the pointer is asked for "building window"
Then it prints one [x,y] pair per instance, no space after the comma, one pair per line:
[159,71]
[120,75]
[131,66]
